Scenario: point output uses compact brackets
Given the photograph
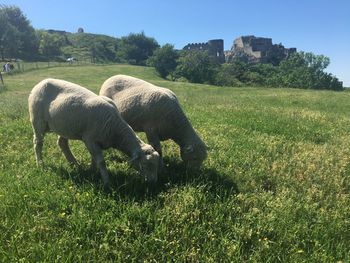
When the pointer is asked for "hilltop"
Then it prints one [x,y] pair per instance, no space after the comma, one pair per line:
[83,46]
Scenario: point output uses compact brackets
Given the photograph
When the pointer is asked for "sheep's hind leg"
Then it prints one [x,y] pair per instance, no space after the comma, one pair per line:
[97,155]
[63,144]
[38,141]
[39,128]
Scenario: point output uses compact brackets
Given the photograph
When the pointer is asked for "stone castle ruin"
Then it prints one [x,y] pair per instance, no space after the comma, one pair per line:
[249,49]
[253,49]
[214,47]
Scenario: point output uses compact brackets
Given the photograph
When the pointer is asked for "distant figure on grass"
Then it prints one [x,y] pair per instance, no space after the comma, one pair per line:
[7,67]
[76,113]
[157,112]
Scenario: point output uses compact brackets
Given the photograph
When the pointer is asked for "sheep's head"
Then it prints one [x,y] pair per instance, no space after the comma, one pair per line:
[146,162]
[194,155]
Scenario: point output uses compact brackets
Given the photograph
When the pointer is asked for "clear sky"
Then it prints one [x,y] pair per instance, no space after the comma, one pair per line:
[318,26]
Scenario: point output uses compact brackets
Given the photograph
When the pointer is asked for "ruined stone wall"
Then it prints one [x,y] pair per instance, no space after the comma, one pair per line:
[215,49]
[249,49]
[196,46]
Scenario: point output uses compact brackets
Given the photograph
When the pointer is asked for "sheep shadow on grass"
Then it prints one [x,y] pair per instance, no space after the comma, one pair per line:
[177,174]
[128,184]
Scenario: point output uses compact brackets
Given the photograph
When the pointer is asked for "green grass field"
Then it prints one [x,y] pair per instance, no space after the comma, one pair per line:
[275,186]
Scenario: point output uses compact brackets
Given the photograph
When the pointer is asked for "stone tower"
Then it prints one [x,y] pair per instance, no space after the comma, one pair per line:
[216,49]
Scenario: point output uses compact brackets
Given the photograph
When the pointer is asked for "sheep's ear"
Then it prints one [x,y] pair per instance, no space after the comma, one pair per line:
[188,149]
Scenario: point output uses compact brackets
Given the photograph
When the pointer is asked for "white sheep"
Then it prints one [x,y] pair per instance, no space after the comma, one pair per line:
[75,113]
[157,112]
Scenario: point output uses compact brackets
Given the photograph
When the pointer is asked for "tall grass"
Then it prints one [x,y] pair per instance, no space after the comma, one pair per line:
[275,186]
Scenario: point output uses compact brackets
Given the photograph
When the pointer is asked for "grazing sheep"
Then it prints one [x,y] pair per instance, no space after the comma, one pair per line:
[157,112]
[76,113]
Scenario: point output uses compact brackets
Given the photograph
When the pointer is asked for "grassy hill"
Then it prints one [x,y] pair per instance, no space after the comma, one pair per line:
[84,45]
[275,186]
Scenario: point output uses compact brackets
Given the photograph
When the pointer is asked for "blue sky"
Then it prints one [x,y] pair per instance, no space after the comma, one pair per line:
[318,26]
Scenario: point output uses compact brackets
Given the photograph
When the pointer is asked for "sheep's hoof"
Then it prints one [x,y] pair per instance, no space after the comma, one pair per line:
[73,164]
[160,166]
[93,168]
[151,186]
[39,163]
[107,188]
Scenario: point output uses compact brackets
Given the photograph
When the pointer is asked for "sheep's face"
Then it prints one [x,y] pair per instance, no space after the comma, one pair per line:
[147,163]
[194,155]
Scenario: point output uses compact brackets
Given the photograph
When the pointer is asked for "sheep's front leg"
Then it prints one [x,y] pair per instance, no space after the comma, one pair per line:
[63,144]
[153,139]
[97,155]
[93,164]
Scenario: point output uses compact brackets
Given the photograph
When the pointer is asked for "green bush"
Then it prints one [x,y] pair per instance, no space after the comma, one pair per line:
[164,60]
[301,70]
[197,67]
[137,48]
[225,76]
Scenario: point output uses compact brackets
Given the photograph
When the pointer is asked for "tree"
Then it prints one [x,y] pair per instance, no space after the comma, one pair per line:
[197,67]
[306,70]
[137,48]
[300,70]
[227,76]
[18,38]
[8,34]
[164,60]
[102,51]
[50,44]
